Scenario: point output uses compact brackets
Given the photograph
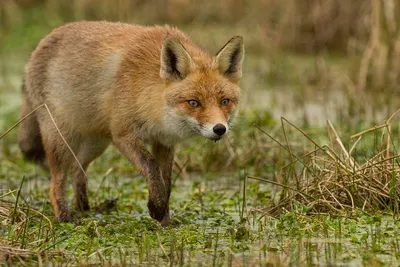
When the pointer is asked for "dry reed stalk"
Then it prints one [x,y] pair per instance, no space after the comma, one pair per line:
[9,251]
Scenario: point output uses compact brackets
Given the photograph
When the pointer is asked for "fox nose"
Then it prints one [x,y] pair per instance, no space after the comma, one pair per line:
[219,129]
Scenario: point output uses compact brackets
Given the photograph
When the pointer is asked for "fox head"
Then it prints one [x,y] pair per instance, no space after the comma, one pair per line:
[202,92]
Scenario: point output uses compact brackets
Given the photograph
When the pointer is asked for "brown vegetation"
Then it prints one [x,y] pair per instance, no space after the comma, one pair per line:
[332,179]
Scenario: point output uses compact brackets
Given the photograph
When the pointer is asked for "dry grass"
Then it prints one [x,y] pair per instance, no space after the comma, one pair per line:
[332,179]
[17,217]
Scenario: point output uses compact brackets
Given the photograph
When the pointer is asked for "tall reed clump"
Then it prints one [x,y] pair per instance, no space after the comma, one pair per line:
[337,178]
[30,232]
[379,67]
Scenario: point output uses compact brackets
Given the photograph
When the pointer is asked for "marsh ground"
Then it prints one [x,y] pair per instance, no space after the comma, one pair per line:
[223,216]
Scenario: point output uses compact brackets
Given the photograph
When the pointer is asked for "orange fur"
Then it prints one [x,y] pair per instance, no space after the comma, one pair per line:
[130,85]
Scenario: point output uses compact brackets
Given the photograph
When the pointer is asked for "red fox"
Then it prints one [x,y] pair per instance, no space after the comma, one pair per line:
[130,85]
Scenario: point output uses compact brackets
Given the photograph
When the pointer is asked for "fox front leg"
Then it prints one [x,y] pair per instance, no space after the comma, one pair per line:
[134,149]
[165,158]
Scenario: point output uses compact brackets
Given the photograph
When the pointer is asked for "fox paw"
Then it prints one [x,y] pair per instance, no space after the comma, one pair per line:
[157,212]
[166,220]
[64,217]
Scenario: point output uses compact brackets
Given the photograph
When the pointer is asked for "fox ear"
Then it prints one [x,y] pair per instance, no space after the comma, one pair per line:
[175,60]
[230,58]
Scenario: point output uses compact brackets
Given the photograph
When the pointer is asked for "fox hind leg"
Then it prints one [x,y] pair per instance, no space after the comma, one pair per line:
[59,161]
[89,149]
[79,184]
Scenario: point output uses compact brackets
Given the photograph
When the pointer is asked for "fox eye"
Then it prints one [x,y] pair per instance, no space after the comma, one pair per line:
[193,103]
[225,102]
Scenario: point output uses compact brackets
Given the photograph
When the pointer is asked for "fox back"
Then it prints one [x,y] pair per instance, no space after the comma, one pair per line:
[127,84]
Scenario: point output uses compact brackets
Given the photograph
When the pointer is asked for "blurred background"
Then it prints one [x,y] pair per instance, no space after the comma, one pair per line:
[308,60]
